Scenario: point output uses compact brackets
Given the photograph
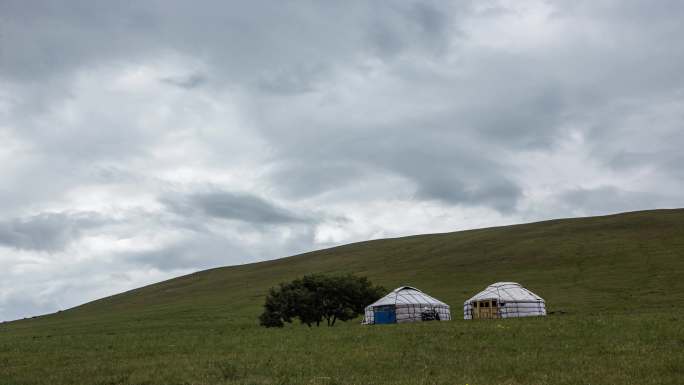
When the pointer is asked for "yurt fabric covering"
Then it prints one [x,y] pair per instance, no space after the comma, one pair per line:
[506,300]
[406,304]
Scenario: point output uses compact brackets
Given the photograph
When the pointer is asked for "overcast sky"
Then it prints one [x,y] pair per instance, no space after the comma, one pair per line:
[144,140]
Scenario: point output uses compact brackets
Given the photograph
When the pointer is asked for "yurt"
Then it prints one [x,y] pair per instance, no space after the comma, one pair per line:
[406,304]
[504,300]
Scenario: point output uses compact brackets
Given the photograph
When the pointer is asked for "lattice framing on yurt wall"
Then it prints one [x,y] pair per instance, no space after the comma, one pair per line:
[409,305]
[414,312]
[513,300]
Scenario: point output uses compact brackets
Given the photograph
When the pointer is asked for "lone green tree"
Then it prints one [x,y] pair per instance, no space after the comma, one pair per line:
[318,298]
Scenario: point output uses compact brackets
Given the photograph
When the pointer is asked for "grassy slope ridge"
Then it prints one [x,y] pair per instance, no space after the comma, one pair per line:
[617,277]
[630,261]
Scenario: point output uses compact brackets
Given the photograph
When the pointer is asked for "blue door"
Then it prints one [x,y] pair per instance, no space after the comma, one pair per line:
[385,314]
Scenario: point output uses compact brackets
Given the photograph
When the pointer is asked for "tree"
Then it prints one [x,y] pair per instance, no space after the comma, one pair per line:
[316,298]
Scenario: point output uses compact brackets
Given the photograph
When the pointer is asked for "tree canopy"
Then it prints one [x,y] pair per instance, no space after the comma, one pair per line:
[316,298]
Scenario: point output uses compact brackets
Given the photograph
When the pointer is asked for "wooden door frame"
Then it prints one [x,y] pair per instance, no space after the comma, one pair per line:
[490,310]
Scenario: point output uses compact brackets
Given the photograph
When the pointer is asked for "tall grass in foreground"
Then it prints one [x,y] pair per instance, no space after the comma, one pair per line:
[606,349]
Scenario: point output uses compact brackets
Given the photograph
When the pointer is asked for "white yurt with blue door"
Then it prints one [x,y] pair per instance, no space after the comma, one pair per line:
[504,300]
[406,304]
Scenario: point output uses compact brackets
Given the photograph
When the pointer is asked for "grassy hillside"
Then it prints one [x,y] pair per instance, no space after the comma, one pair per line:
[617,278]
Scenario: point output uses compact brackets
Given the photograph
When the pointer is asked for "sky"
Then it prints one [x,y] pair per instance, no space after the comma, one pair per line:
[143,140]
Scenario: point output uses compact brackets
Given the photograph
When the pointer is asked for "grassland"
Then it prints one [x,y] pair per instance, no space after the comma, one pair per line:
[619,280]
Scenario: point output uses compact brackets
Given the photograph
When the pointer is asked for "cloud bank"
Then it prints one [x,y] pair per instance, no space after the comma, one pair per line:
[146,140]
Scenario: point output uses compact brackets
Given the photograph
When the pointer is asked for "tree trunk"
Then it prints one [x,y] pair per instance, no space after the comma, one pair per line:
[333,321]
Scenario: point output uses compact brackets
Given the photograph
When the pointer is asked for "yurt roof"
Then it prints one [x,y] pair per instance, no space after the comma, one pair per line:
[407,295]
[506,292]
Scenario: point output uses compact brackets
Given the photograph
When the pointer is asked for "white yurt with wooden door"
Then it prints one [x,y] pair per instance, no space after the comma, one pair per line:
[504,300]
[406,304]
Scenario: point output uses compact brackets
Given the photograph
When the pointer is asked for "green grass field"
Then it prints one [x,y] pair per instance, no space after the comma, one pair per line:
[619,280]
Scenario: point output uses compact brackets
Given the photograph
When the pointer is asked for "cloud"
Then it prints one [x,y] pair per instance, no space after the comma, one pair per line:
[295,80]
[47,231]
[423,26]
[149,139]
[231,205]
[223,245]
[610,199]
[186,82]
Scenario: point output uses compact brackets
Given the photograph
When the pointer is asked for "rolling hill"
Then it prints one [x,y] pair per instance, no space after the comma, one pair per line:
[612,274]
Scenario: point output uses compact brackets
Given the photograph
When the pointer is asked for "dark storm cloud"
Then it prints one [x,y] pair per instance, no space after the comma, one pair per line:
[301,179]
[402,26]
[499,194]
[438,156]
[232,35]
[187,82]
[452,180]
[63,38]
[47,231]
[444,167]
[230,205]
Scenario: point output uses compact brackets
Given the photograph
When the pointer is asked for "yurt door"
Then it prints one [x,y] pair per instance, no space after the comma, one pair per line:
[486,309]
[385,314]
